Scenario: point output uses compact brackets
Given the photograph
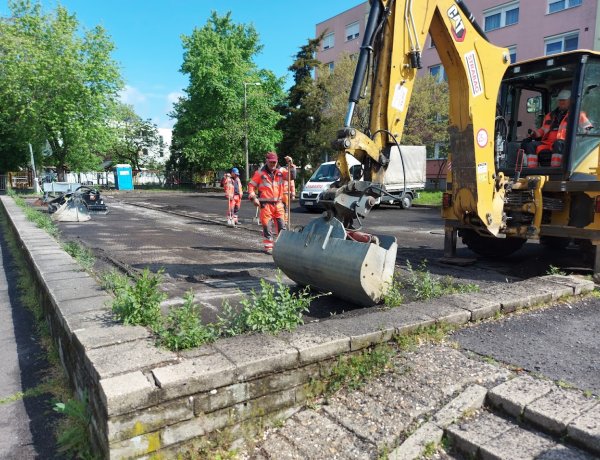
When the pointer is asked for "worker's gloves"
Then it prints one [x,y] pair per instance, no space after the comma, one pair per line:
[255,202]
[558,146]
[288,160]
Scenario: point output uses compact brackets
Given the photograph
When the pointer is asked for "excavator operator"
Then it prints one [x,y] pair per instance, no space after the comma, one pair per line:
[551,135]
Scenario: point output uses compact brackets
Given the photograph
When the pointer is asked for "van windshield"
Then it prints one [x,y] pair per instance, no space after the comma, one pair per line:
[326,173]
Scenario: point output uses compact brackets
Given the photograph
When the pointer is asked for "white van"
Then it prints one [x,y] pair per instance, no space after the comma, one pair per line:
[322,178]
[402,186]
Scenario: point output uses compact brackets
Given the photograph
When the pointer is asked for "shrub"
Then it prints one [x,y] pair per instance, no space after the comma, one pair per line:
[183,328]
[139,303]
[273,309]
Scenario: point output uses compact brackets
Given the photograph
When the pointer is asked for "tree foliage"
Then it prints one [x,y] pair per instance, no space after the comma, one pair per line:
[58,84]
[427,117]
[302,109]
[210,123]
[426,122]
[133,138]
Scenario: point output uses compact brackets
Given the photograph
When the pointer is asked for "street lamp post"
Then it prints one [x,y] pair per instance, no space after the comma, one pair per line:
[246,128]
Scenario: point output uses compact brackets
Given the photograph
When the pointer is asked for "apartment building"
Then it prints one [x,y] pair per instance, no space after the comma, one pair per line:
[528,28]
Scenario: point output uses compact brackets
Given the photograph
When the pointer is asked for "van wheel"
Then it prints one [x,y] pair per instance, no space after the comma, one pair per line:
[490,246]
[406,202]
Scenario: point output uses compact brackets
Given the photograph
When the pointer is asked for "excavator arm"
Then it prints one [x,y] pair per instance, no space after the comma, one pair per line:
[328,253]
[389,59]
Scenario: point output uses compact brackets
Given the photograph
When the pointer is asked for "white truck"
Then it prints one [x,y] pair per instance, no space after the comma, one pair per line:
[404,179]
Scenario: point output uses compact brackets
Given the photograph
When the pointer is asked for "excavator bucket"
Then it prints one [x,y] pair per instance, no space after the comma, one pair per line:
[73,209]
[322,256]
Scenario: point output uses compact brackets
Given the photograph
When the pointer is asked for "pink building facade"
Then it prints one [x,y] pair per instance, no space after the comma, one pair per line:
[529,28]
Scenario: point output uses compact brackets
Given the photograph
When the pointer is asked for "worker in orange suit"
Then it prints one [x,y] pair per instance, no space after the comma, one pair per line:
[266,190]
[551,136]
[233,192]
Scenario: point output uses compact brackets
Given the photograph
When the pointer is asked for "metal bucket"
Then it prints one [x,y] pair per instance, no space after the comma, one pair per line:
[320,256]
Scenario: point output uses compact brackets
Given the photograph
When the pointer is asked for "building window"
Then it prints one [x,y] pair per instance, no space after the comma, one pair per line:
[328,41]
[330,66]
[512,52]
[502,16]
[352,31]
[554,6]
[438,72]
[561,43]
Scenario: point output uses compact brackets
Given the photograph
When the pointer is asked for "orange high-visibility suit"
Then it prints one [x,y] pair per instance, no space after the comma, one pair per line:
[267,186]
[233,192]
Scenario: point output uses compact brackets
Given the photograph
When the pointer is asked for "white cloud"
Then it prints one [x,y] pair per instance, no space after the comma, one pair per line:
[132,96]
[173,97]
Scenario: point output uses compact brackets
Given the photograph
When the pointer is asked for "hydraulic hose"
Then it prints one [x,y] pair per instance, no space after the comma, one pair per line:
[363,59]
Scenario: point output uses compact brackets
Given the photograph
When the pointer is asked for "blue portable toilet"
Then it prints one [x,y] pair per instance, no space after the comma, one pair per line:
[123,177]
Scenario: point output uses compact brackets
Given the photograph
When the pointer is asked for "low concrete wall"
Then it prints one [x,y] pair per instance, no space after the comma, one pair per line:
[146,400]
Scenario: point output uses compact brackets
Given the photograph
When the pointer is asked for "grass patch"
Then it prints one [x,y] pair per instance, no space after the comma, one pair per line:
[83,256]
[73,437]
[354,371]
[435,334]
[424,286]
[431,198]
[41,220]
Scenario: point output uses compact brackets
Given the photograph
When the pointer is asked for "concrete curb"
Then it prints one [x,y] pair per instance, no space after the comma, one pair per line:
[561,413]
[145,399]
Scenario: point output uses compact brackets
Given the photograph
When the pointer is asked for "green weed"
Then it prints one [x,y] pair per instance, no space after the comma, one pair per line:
[424,286]
[425,334]
[394,296]
[183,328]
[272,309]
[81,254]
[139,303]
[113,281]
[353,371]
[41,220]
[73,438]
[552,270]
[430,449]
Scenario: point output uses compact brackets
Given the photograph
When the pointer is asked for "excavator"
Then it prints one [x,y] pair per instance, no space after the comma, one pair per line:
[496,198]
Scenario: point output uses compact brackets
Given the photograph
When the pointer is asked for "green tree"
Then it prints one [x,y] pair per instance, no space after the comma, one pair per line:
[427,117]
[302,109]
[210,127]
[332,90]
[133,138]
[59,82]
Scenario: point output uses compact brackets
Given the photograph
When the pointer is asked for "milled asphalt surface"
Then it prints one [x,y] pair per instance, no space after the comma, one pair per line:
[418,385]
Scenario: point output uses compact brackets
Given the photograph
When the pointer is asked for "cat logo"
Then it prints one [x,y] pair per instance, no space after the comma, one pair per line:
[458,28]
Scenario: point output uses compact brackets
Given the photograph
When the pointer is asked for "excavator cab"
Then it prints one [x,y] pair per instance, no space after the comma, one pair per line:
[529,91]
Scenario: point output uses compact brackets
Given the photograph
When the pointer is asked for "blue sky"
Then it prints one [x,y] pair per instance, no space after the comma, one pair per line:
[147,37]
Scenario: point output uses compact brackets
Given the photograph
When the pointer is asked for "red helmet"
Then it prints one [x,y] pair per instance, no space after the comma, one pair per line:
[271,156]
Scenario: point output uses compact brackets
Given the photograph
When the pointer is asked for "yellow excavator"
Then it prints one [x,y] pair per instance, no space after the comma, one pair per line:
[495,199]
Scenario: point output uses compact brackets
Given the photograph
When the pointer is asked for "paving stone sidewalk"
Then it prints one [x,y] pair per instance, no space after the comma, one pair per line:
[437,392]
